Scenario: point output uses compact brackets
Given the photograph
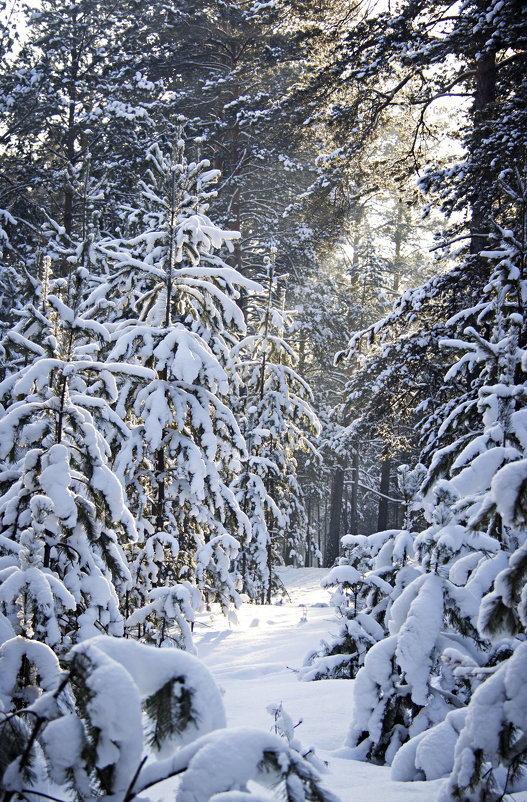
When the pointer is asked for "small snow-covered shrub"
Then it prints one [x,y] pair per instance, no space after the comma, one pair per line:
[367,582]
[120,717]
[358,629]
[164,620]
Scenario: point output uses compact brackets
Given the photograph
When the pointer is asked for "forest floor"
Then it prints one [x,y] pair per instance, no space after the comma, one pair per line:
[256,663]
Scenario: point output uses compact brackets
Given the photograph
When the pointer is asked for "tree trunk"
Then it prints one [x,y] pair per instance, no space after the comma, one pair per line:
[268,590]
[160,468]
[484,97]
[354,511]
[308,542]
[382,520]
[333,543]
[398,241]
[319,533]
[71,132]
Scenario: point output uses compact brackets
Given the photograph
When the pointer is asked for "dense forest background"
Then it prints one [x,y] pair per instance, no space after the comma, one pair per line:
[262,287]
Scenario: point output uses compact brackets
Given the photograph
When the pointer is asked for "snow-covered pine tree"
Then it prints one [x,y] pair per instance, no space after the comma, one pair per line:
[439,651]
[63,514]
[488,760]
[176,313]
[256,561]
[122,717]
[278,422]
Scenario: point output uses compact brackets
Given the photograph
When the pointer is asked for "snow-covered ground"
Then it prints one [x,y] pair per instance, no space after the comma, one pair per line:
[256,662]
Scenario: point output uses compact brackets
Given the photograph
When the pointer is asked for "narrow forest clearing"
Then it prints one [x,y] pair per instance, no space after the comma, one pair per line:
[256,661]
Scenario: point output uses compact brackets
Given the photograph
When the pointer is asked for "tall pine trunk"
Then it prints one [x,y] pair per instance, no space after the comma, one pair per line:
[484,97]
[382,519]
[354,511]
[333,541]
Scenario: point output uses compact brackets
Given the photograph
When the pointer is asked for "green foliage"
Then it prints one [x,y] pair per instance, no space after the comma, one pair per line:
[15,735]
[170,711]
